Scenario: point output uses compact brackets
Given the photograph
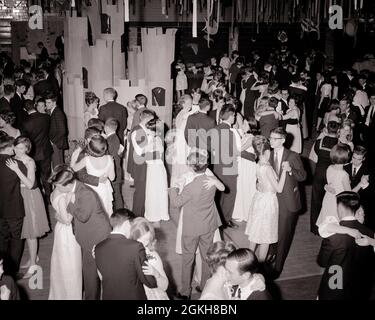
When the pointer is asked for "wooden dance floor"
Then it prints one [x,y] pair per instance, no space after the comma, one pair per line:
[299,280]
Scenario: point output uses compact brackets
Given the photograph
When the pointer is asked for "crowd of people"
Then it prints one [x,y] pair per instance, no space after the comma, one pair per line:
[232,156]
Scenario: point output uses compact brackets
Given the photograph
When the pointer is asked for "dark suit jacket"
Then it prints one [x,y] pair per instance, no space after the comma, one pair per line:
[117,111]
[284,78]
[367,130]
[58,131]
[41,88]
[54,84]
[36,126]
[202,122]
[267,124]
[5,105]
[354,180]
[365,194]
[120,260]
[17,104]
[82,174]
[91,222]
[113,147]
[291,194]
[137,163]
[356,263]
[223,150]
[353,115]
[200,212]
[11,202]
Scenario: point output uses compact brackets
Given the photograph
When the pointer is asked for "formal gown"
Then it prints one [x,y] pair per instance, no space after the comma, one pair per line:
[295,131]
[321,150]
[154,260]
[181,79]
[87,116]
[262,224]
[337,179]
[35,223]
[246,183]
[156,203]
[103,189]
[180,147]
[66,260]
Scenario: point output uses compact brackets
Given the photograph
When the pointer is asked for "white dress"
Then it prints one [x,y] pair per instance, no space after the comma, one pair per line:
[181,79]
[181,148]
[262,224]
[155,293]
[295,131]
[156,203]
[104,190]
[246,185]
[66,261]
[340,181]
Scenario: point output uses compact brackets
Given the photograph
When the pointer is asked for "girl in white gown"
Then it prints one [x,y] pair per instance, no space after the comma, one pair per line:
[179,146]
[98,164]
[246,181]
[66,259]
[156,201]
[339,181]
[262,224]
[294,129]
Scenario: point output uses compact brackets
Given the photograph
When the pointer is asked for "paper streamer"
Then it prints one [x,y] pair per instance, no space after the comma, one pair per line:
[164,7]
[126,10]
[195,18]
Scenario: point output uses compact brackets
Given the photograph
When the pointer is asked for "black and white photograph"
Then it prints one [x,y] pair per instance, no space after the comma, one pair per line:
[186,150]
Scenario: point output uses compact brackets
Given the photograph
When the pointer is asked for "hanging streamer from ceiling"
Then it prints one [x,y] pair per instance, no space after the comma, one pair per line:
[194,31]
[126,10]
[211,28]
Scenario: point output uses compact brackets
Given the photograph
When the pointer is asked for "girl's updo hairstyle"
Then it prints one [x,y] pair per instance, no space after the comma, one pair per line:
[97,147]
[217,254]
[62,174]
[90,97]
[260,145]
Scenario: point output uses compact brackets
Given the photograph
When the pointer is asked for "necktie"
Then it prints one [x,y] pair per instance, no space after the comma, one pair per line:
[354,171]
[276,162]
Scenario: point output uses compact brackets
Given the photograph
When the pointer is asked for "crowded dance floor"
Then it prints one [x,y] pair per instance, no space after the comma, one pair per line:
[187,150]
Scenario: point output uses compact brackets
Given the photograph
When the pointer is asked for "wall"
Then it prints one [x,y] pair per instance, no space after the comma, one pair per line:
[23,36]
